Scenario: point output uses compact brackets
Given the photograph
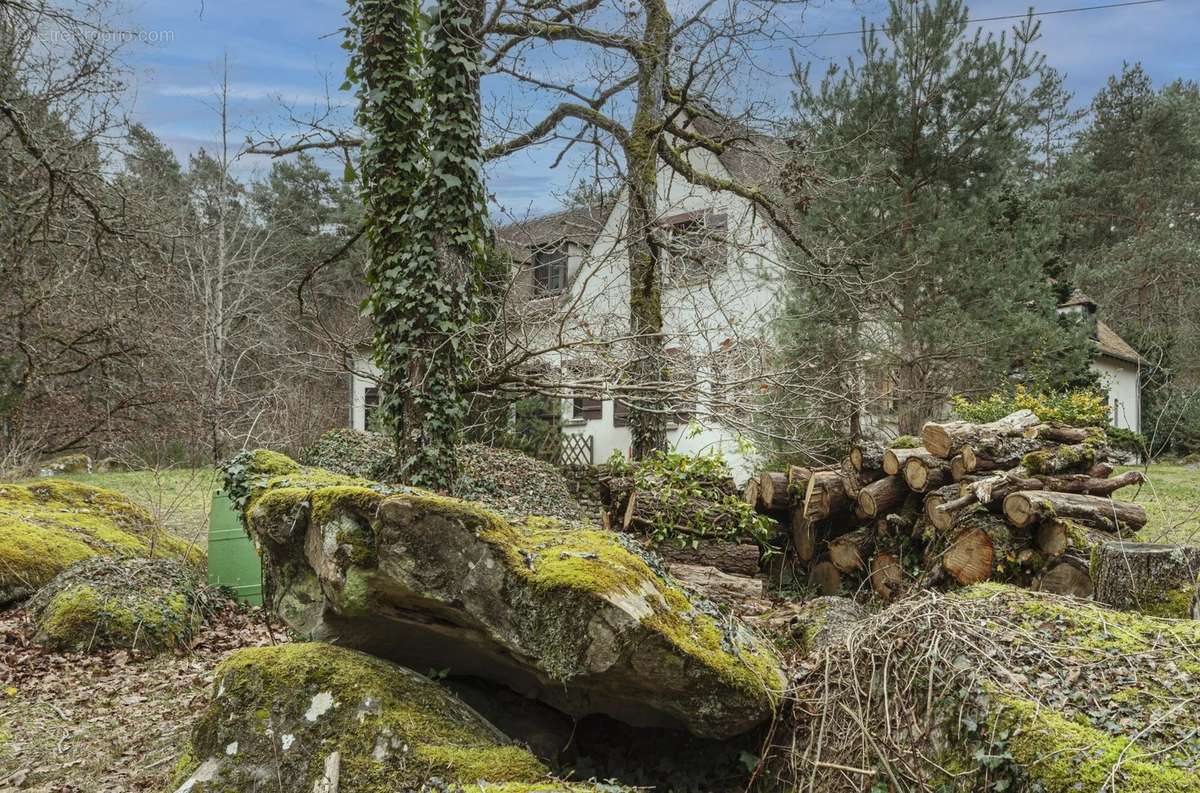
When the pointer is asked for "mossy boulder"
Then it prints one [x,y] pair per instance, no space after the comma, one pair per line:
[321,717]
[47,526]
[105,603]
[578,618]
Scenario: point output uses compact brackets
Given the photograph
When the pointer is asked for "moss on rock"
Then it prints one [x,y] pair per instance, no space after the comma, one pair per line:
[282,712]
[47,526]
[143,605]
[580,617]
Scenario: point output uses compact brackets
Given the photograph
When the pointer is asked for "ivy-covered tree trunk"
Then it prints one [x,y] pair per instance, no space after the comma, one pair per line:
[419,105]
[648,422]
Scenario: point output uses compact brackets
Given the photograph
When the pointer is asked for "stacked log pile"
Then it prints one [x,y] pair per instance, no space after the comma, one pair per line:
[1015,500]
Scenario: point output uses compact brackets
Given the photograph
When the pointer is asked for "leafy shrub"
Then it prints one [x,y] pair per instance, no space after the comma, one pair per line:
[679,480]
[1076,407]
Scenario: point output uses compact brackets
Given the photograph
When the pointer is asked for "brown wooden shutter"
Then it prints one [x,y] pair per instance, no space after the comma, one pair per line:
[589,409]
[621,412]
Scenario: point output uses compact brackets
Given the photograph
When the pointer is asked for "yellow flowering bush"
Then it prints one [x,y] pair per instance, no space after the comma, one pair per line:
[1080,407]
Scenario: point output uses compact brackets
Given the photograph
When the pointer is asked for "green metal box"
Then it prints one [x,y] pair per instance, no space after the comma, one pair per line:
[233,560]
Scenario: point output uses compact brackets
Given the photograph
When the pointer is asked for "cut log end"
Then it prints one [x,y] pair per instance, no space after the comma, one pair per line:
[1066,578]
[970,557]
[826,578]
[887,576]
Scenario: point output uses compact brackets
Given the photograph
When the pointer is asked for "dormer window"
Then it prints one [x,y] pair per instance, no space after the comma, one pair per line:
[696,247]
[550,269]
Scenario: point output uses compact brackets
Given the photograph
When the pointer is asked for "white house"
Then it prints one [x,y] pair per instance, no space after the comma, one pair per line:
[719,287]
[1117,363]
[723,268]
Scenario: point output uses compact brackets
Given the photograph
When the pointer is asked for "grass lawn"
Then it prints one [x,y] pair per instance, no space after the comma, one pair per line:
[178,498]
[1171,497]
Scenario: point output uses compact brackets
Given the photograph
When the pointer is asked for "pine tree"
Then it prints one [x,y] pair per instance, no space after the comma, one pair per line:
[932,237]
[1130,200]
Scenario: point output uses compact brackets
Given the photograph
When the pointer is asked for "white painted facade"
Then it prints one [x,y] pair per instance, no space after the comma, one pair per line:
[733,306]
[1121,383]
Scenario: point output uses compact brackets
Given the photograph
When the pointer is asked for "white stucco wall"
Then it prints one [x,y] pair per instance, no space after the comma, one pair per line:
[734,307]
[1120,379]
[365,375]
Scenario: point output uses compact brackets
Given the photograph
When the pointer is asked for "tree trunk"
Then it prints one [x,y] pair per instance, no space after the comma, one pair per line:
[882,496]
[648,423]
[1026,507]
[946,440]
[1156,579]
[997,454]
[750,493]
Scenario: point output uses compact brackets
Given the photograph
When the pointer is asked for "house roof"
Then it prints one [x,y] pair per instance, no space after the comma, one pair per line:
[751,157]
[1114,346]
[1078,298]
[580,225]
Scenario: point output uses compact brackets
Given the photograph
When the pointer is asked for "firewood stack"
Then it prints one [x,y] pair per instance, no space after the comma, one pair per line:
[1015,500]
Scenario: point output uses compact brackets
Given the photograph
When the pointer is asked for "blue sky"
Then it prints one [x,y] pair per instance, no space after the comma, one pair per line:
[288,53]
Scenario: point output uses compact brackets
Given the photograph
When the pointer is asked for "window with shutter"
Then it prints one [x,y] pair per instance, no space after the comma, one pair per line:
[370,406]
[588,409]
[696,247]
[550,270]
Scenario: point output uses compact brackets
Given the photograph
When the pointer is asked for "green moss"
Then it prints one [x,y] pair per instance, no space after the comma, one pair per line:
[906,442]
[393,728]
[47,526]
[1066,756]
[1171,604]
[272,463]
[1090,627]
[1063,458]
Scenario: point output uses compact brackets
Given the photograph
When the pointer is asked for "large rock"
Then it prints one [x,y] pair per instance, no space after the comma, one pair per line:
[48,526]
[105,603]
[315,717]
[577,618]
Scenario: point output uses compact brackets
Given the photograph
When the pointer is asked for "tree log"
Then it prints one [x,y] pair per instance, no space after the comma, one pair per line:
[1060,433]
[825,577]
[942,519]
[741,594]
[773,491]
[867,459]
[1026,507]
[893,459]
[649,511]
[1067,575]
[804,536]
[980,538]
[882,496]
[1156,579]
[887,576]
[946,440]
[825,495]
[997,454]
[1056,536]
[750,492]
[924,472]
[850,551]
[728,557]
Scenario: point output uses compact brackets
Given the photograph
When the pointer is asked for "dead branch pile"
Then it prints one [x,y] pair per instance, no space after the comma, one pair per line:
[1015,500]
[997,688]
